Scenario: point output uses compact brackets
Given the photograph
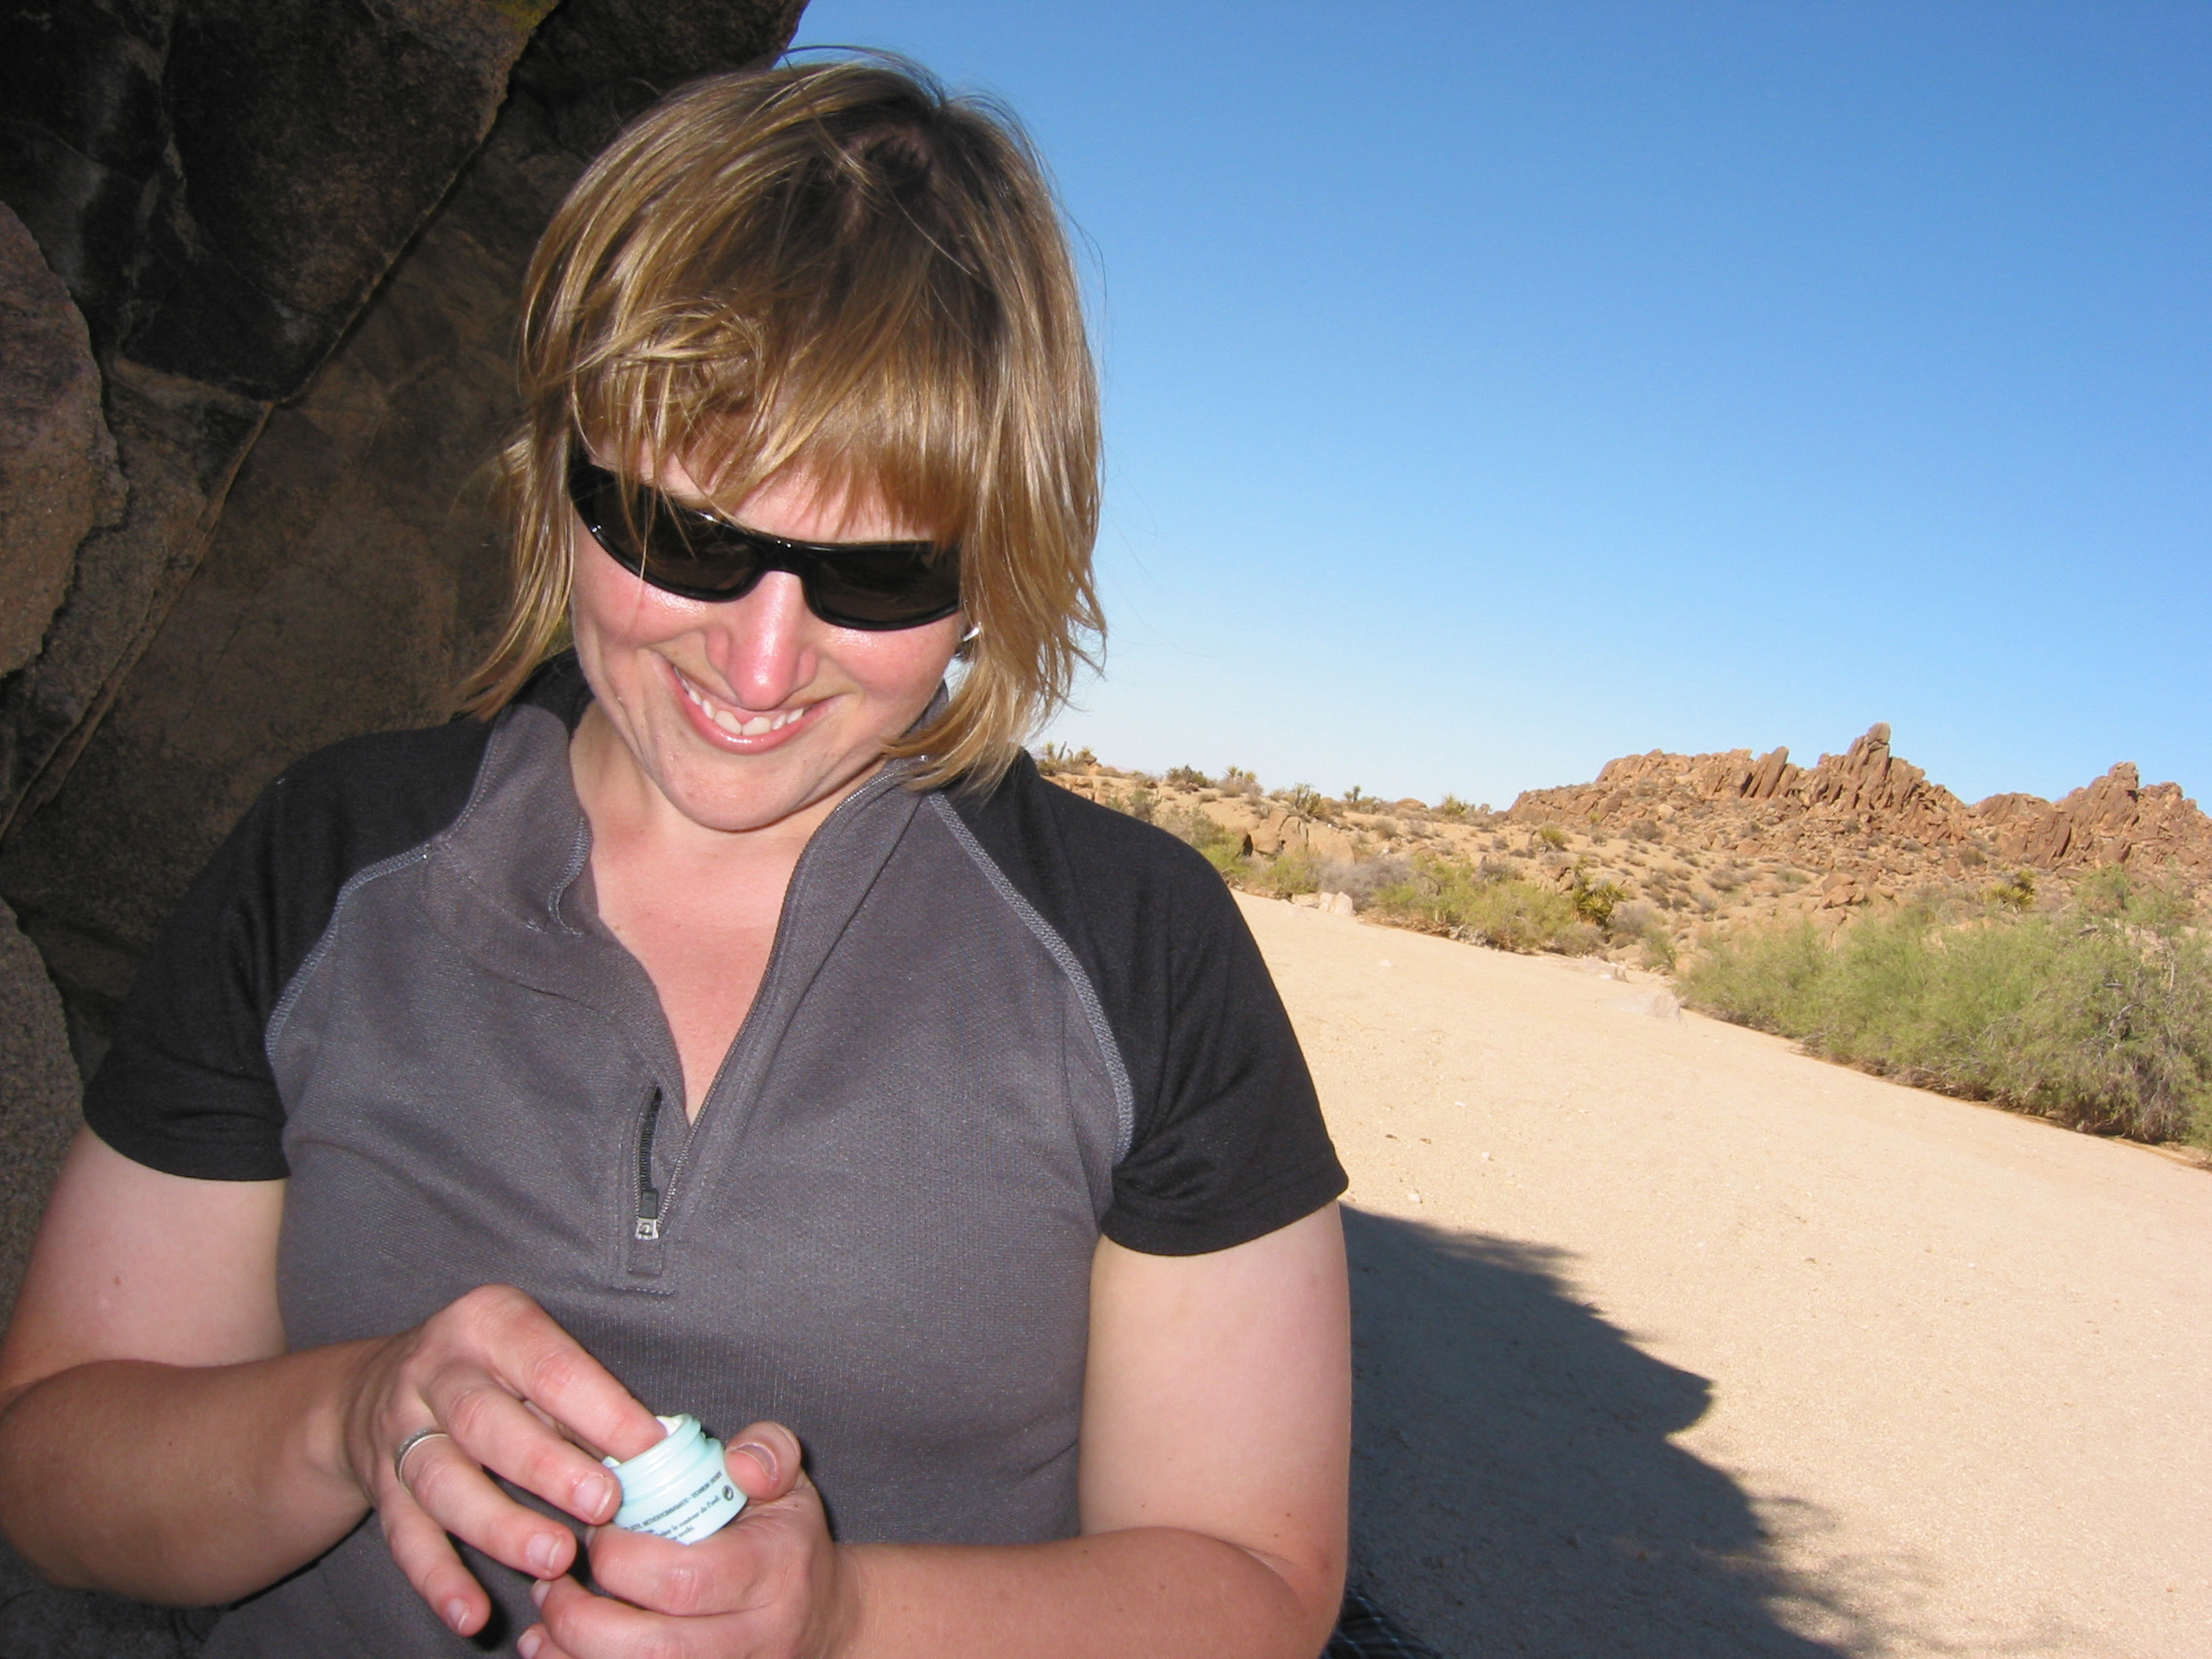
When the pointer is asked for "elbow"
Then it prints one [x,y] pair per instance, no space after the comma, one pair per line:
[1314,1593]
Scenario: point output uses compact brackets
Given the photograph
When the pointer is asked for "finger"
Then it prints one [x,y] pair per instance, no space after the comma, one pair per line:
[768,1557]
[427,1558]
[765,1461]
[540,1361]
[535,1644]
[576,1621]
[504,1434]
[446,1486]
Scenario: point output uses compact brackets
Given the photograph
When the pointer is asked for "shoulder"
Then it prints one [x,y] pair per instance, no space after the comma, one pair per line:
[1103,878]
[1227,1140]
[185,1086]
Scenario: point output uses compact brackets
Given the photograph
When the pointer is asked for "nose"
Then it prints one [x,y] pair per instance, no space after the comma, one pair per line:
[760,644]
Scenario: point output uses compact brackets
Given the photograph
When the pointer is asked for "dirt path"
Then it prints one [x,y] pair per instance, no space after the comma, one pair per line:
[1691,1345]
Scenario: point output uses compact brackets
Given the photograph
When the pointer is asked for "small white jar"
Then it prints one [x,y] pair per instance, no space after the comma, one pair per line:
[681,1488]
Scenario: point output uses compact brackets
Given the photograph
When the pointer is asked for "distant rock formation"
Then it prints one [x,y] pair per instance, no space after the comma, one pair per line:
[1856,802]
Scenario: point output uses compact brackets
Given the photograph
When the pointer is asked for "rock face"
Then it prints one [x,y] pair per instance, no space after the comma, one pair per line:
[1867,814]
[57,468]
[38,1098]
[2115,820]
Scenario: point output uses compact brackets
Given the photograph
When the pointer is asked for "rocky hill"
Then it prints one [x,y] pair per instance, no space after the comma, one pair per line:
[1673,844]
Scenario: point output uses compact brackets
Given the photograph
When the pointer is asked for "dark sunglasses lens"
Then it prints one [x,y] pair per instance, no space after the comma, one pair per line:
[889,586]
[685,552]
[881,586]
[691,553]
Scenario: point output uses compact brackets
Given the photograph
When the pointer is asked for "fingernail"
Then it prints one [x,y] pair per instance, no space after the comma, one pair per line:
[760,1454]
[544,1554]
[457,1614]
[539,1591]
[531,1641]
[598,1494]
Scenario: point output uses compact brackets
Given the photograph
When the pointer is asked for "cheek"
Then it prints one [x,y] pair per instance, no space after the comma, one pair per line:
[609,606]
[906,666]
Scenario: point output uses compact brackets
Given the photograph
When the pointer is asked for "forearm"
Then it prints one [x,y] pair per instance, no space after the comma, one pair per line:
[1150,1590]
[187,1485]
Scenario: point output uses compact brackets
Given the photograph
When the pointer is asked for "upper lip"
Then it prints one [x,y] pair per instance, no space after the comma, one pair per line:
[721,705]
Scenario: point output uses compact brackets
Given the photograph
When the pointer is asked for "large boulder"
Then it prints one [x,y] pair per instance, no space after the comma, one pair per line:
[38,1098]
[57,468]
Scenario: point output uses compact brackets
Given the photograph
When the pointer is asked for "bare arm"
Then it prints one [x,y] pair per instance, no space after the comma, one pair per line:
[156,1440]
[1216,1442]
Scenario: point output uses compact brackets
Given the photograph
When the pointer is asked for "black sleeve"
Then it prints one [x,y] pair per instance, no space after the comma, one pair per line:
[186,1087]
[1229,1142]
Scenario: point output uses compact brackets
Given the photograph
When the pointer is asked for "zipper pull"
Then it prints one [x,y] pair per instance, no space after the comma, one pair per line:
[645,1230]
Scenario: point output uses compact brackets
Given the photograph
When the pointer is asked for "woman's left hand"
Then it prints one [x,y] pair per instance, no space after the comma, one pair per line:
[770,1585]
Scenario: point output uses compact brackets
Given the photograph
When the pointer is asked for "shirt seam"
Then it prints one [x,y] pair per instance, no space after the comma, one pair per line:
[1065,958]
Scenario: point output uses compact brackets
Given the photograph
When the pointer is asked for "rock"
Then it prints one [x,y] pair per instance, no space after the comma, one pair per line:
[59,477]
[2115,820]
[178,443]
[39,1093]
[1337,903]
[223,183]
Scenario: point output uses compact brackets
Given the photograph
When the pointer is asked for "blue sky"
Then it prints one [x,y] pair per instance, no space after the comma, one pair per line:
[1494,389]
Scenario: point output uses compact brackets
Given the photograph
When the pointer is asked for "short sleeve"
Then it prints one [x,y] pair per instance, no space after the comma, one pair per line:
[1228,1141]
[1232,1144]
[186,1085]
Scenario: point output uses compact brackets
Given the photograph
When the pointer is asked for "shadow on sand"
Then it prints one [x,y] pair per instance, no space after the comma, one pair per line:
[1514,1490]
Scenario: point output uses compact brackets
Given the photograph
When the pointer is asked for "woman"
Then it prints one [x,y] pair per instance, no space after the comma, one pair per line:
[728,1021]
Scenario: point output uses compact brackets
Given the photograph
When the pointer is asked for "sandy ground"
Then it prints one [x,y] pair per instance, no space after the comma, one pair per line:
[1672,1342]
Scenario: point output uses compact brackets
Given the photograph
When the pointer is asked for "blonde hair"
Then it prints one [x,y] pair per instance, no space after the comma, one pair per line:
[834,268]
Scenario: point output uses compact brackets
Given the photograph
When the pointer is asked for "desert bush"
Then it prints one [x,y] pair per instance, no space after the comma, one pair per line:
[1222,847]
[1057,757]
[1552,837]
[2015,893]
[1452,807]
[1364,878]
[1288,873]
[1141,803]
[1593,901]
[1645,829]
[1188,777]
[2100,1018]
[1236,781]
[1305,799]
[1445,895]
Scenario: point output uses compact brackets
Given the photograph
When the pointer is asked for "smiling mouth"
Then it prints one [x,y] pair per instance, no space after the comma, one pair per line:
[734,722]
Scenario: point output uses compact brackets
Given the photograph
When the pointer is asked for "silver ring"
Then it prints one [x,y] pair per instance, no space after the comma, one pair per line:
[399,1457]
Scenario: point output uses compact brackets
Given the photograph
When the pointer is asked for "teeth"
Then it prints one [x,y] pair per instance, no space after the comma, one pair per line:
[759,725]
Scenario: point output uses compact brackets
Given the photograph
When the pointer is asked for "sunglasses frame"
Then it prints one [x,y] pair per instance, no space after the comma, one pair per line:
[813,562]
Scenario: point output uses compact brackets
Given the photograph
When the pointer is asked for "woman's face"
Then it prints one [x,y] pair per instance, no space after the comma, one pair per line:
[746,713]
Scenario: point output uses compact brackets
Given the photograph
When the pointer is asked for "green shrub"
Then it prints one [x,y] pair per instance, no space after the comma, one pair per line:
[1593,901]
[1288,873]
[1552,837]
[2100,1018]
[1190,776]
[1444,896]
[1452,807]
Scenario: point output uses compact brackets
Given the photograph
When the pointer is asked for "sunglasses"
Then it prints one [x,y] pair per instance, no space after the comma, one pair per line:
[877,585]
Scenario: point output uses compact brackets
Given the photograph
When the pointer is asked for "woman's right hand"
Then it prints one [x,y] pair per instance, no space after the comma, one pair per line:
[509,1394]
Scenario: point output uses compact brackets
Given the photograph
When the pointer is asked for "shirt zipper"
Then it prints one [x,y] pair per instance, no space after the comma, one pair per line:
[653,1202]
[649,1194]
[645,1225]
